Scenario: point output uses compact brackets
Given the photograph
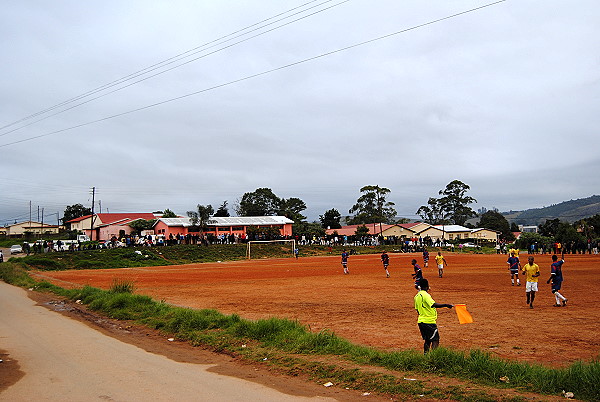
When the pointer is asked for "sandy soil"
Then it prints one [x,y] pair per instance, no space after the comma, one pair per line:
[368,308]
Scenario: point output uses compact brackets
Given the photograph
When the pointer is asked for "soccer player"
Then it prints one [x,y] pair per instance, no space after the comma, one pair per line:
[531,287]
[385,260]
[418,275]
[556,278]
[426,307]
[425,257]
[345,256]
[440,261]
[513,267]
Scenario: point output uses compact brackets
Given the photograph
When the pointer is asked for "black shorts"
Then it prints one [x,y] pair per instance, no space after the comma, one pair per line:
[429,332]
[556,286]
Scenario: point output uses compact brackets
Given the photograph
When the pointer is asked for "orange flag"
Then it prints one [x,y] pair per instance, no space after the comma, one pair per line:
[464,317]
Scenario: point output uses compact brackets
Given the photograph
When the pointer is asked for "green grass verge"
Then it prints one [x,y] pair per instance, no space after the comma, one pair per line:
[279,342]
[171,255]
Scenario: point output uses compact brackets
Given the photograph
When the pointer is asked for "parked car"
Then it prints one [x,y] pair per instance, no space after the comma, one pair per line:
[469,244]
[16,249]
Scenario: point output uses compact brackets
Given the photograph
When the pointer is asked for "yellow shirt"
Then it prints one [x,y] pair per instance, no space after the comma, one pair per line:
[531,270]
[439,259]
[423,304]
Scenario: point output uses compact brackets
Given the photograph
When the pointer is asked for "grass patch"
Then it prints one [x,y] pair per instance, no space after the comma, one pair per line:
[292,347]
[122,286]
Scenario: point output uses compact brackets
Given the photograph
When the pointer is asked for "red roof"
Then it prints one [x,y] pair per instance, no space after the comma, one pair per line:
[374,228]
[79,219]
[110,218]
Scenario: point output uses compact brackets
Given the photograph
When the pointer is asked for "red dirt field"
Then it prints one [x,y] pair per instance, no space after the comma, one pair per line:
[367,308]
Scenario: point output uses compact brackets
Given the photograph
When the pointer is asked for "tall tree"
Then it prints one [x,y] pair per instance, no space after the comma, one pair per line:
[169,214]
[75,211]
[261,202]
[432,213]
[455,202]
[141,224]
[307,229]
[549,228]
[372,206]
[496,221]
[291,208]
[222,211]
[331,219]
[200,216]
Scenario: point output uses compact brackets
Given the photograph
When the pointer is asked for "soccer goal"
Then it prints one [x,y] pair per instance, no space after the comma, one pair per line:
[250,243]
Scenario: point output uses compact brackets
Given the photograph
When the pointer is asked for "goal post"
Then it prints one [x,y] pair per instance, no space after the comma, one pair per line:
[249,245]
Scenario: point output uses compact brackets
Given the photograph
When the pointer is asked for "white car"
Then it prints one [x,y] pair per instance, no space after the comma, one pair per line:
[469,244]
[15,249]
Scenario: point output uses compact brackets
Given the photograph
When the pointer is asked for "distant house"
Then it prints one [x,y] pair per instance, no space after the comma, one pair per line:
[528,229]
[376,229]
[224,225]
[488,235]
[36,228]
[107,225]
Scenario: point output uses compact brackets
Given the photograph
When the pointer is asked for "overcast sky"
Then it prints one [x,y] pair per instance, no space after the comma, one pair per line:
[505,98]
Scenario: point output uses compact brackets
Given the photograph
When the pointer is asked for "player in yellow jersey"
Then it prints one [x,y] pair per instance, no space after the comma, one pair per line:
[532,271]
[440,261]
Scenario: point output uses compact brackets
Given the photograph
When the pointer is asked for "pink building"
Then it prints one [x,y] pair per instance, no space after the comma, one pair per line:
[224,225]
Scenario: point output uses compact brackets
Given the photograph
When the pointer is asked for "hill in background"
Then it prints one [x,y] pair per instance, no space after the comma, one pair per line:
[569,211]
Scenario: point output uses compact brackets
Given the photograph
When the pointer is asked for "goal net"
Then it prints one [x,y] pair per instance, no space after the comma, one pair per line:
[287,243]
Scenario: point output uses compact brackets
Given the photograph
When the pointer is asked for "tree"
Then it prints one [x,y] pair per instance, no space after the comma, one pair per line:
[75,211]
[261,202]
[549,228]
[527,239]
[141,224]
[307,229]
[372,206]
[455,202]
[291,208]
[169,214]
[432,212]
[222,211]
[514,227]
[331,219]
[362,231]
[589,227]
[200,217]
[496,221]
[566,233]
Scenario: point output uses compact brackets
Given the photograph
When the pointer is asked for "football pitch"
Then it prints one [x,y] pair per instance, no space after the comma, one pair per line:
[367,308]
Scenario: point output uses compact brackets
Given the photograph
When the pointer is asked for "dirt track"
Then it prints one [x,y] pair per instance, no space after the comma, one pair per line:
[369,309]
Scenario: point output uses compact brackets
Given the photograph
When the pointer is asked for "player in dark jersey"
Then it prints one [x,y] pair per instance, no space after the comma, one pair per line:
[425,257]
[385,260]
[556,277]
[345,256]
[513,266]
[418,275]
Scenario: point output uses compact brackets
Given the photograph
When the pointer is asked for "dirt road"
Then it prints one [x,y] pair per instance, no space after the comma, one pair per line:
[49,357]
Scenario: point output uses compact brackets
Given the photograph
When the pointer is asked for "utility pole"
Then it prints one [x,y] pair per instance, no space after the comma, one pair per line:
[93,202]
[42,228]
[100,204]
[30,215]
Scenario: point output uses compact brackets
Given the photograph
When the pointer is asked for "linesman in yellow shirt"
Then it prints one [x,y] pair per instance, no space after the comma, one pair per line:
[427,321]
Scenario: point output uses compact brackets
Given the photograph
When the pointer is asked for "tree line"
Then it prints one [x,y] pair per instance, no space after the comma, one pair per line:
[451,205]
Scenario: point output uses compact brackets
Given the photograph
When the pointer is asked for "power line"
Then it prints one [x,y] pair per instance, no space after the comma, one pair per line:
[254,75]
[166,62]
